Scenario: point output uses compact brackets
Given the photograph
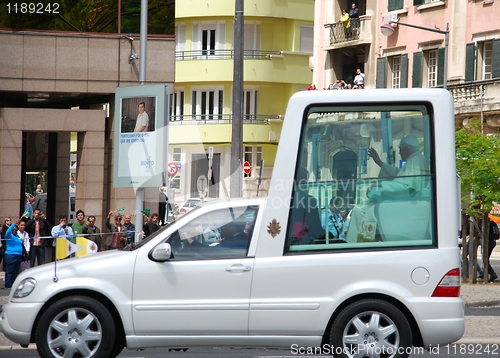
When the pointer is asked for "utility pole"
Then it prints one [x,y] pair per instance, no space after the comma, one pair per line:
[139,194]
[237,117]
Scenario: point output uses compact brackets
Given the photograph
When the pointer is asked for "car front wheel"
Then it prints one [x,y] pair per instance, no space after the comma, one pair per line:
[76,326]
[371,328]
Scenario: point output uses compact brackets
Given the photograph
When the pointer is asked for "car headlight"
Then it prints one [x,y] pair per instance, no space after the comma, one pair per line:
[25,287]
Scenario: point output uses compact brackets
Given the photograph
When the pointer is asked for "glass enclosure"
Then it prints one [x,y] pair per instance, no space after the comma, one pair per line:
[364,178]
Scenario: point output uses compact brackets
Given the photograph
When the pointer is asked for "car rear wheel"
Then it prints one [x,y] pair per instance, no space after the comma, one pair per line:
[76,326]
[371,328]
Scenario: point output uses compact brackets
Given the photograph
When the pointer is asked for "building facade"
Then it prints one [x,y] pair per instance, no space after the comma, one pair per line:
[278,41]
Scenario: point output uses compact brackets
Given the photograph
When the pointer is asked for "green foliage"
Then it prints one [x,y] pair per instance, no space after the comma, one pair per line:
[95,16]
[478,156]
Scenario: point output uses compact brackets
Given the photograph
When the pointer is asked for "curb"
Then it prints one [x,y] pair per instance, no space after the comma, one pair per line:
[17,347]
[483,304]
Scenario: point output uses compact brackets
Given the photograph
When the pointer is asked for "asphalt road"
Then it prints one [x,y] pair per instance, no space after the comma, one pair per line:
[451,351]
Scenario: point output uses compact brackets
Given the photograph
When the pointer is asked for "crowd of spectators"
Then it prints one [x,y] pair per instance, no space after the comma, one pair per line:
[358,83]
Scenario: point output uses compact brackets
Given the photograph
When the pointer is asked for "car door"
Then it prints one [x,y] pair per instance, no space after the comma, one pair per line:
[201,290]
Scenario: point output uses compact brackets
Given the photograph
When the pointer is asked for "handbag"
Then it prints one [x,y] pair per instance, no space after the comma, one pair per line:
[24,266]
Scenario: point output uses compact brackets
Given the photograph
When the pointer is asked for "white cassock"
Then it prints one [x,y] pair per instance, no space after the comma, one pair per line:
[409,180]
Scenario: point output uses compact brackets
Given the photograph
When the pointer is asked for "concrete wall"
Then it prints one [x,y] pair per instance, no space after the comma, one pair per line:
[62,62]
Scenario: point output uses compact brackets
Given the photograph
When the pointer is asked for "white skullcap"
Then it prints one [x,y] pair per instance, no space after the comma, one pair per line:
[409,141]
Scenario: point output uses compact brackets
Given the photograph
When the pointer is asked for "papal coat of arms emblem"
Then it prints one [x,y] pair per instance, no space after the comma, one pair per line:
[274,228]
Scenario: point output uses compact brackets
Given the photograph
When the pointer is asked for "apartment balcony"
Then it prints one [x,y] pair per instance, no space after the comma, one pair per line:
[259,66]
[226,55]
[358,33]
[477,99]
[217,128]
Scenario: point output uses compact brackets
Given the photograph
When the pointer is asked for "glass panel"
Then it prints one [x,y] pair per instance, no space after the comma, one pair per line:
[432,70]
[219,234]
[396,68]
[364,179]
[488,61]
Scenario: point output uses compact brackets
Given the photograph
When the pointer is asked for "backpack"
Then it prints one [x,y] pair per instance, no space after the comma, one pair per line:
[494,231]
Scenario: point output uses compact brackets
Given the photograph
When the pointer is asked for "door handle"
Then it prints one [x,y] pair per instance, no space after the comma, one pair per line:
[238,268]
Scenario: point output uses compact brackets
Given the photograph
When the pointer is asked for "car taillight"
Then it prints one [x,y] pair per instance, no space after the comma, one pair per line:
[449,286]
[182,210]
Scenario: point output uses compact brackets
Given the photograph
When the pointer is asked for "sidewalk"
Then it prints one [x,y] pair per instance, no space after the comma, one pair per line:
[478,329]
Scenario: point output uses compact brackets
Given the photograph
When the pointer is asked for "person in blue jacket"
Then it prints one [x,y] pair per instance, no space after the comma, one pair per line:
[13,254]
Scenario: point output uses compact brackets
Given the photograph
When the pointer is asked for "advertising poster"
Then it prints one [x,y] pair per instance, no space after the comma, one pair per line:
[140,136]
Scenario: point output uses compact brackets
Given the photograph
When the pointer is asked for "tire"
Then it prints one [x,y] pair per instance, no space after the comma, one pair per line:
[76,326]
[371,328]
[118,347]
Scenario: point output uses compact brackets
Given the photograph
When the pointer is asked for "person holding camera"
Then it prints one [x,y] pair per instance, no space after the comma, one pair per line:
[62,230]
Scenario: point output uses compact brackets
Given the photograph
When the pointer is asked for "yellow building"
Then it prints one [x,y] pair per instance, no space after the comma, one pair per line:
[278,41]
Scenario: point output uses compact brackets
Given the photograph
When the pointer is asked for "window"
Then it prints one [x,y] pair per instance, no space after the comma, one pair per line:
[396,71]
[342,199]
[177,158]
[250,104]
[180,40]
[207,39]
[253,155]
[431,68]
[306,38]
[251,40]
[487,63]
[481,63]
[208,42]
[219,234]
[207,104]
[177,106]
[393,5]
[428,67]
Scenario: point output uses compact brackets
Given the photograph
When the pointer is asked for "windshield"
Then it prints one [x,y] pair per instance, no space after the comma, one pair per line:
[191,203]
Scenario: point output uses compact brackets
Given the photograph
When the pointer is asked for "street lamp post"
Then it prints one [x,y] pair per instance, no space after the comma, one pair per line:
[388,30]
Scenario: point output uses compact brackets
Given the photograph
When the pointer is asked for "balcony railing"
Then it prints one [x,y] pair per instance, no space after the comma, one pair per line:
[224,119]
[467,91]
[339,33]
[225,55]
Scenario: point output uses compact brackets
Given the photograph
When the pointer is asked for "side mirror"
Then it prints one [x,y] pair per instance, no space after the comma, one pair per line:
[161,253]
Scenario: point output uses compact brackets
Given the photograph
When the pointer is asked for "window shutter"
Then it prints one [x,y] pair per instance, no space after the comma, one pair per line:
[417,70]
[196,42]
[495,56]
[440,66]
[403,79]
[470,62]
[418,2]
[381,81]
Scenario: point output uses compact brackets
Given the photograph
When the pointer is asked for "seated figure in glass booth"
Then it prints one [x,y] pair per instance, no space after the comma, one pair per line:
[404,185]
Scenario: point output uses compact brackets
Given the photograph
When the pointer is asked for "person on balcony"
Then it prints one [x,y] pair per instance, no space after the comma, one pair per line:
[354,15]
[345,20]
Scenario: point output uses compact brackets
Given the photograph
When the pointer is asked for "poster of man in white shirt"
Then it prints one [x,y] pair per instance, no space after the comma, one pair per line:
[138,137]
[142,122]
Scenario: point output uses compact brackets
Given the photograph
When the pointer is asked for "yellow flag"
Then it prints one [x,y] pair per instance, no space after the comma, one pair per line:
[89,247]
[64,248]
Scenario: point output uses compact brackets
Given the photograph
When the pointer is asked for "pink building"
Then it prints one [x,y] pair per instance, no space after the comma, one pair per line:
[413,57]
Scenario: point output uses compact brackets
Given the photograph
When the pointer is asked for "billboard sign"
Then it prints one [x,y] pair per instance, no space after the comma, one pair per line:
[141,136]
